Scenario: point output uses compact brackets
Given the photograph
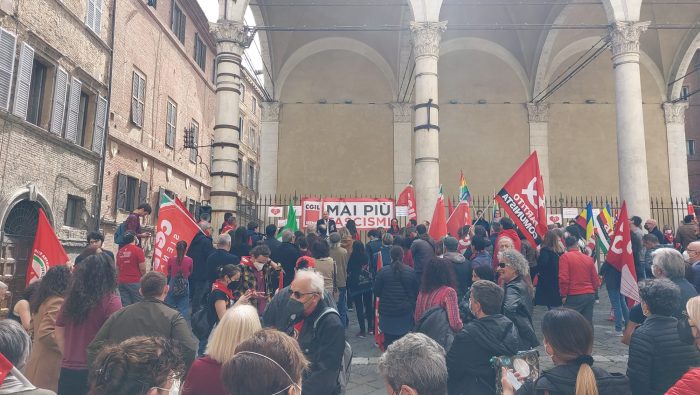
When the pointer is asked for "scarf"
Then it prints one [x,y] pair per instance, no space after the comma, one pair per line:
[218,285]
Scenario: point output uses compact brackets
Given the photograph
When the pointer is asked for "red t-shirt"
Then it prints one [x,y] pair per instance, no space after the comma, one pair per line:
[128,259]
[185,266]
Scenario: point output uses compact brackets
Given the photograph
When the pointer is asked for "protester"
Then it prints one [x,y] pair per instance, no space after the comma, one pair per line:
[650,244]
[667,263]
[44,364]
[493,235]
[340,257]
[489,335]
[229,224]
[360,287]
[267,276]
[690,382]
[137,366]
[578,279]
[237,325]
[568,340]
[287,255]
[320,333]
[97,239]
[479,220]
[90,300]
[396,287]
[21,311]
[272,355]
[346,239]
[352,229]
[414,365]
[132,224]
[131,265]
[325,226]
[437,310]
[394,228]
[657,356]
[325,265]
[422,252]
[240,244]
[517,299]
[652,227]
[687,232]
[480,255]
[179,270]
[547,271]
[483,272]
[271,238]
[150,317]
[303,245]
[218,258]
[508,232]
[613,283]
[253,235]
[461,267]
[15,346]
[200,249]
[693,250]
[636,234]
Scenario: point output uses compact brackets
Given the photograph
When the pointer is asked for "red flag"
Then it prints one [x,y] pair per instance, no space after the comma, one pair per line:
[450,208]
[438,226]
[523,199]
[620,256]
[184,208]
[691,209]
[47,251]
[5,367]
[173,225]
[378,334]
[407,198]
[460,217]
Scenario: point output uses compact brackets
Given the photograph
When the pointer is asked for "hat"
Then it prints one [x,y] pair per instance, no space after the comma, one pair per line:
[450,243]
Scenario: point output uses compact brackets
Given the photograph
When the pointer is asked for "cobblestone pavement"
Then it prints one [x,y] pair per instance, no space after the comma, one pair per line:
[608,352]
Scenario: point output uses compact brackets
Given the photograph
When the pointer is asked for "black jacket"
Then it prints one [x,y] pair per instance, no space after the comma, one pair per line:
[561,380]
[657,358]
[397,293]
[469,360]
[517,306]
[286,255]
[436,325]
[463,272]
[325,232]
[422,252]
[323,348]
[272,244]
[200,248]
[547,293]
[217,258]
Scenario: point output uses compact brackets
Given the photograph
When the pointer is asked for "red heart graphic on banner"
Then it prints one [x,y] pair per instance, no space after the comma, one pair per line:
[275,211]
[554,218]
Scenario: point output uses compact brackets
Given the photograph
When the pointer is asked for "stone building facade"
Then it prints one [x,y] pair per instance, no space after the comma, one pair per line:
[162,84]
[691,84]
[251,109]
[54,83]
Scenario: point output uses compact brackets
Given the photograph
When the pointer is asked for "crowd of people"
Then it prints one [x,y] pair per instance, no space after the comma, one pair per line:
[243,312]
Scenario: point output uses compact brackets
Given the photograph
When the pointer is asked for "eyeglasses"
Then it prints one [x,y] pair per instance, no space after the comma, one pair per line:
[502,265]
[298,294]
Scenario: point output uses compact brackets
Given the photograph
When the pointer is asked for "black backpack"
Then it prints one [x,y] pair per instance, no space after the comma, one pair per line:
[435,324]
[180,283]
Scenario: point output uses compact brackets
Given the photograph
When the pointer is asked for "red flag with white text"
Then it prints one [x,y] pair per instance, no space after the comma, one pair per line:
[407,198]
[522,197]
[173,225]
[621,258]
[47,251]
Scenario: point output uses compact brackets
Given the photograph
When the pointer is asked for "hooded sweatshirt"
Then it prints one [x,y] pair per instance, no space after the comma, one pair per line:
[469,360]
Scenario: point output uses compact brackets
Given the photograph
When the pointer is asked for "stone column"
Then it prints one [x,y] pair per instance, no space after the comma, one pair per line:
[269,148]
[426,47]
[631,147]
[677,155]
[538,115]
[231,39]
[403,153]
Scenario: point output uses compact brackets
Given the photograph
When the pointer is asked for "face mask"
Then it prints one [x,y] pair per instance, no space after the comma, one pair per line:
[295,309]
[686,257]
[258,265]
[685,332]
[233,285]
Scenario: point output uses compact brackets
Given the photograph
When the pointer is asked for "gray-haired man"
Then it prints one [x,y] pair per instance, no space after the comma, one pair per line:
[414,365]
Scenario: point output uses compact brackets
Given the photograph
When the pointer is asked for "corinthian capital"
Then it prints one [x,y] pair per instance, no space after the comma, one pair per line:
[675,112]
[271,111]
[426,37]
[232,31]
[625,36]
[538,112]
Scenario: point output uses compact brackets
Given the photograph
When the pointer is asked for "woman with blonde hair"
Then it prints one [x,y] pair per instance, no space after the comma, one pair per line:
[568,340]
[690,382]
[237,325]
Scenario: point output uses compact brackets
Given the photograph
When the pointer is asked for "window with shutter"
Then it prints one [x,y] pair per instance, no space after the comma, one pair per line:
[24,80]
[59,101]
[200,52]
[97,21]
[170,124]
[90,17]
[197,206]
[73,110]
[98,135]
[121,191]
[178,22]
[143,192]
[138,99]
[8,46]
[194,151]
[241,123]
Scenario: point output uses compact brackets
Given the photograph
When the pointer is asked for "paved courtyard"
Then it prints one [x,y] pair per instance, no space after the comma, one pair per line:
[608,352]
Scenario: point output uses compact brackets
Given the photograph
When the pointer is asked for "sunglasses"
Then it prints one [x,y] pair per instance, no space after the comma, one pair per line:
[502,265]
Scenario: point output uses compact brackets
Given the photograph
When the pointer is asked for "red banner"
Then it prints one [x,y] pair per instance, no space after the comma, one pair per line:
[523,199]
[47,251]
[459,217]
[368,213]
[438,225]
[174,224]
[620,256]
[407,198]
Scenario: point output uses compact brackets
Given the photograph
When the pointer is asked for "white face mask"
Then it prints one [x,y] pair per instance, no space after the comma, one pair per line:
[258,265]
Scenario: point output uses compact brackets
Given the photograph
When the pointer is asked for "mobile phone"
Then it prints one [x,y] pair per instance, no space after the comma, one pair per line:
[513,380]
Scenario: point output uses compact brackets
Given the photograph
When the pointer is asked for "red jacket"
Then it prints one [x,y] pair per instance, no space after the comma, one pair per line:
[204,378]
[688,384]
[577,274]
